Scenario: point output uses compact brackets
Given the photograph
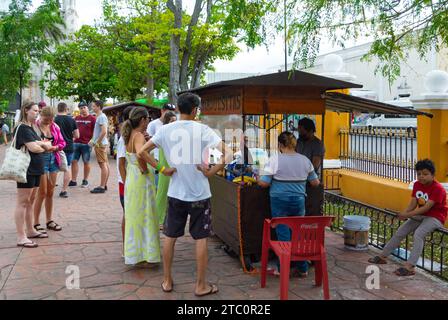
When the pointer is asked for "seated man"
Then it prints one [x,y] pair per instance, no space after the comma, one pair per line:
[426,212]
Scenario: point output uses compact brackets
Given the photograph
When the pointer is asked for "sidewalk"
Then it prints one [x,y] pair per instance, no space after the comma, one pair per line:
[91,240]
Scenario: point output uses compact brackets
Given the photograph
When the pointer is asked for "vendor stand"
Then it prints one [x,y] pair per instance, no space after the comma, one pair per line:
[114,114]
[239,209]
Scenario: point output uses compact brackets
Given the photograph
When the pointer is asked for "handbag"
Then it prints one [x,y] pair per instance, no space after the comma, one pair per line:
[16,162]
[63,165]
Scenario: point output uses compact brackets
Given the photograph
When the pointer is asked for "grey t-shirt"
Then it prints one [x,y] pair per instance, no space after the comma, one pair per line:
[311,148]
[101,120]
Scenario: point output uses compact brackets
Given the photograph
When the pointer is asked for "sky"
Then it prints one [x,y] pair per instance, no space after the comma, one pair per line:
[256,60]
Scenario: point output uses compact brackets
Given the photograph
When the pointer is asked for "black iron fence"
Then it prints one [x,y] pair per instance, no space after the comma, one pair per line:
[384,152]
[384,224]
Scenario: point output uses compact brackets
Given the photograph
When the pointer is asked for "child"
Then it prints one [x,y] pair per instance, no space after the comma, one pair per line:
[426,212]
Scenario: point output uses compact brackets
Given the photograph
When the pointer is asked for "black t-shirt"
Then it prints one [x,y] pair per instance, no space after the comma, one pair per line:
[67,125]
[27,134]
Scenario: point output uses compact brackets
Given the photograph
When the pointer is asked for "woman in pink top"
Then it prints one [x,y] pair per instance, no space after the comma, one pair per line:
[49,131]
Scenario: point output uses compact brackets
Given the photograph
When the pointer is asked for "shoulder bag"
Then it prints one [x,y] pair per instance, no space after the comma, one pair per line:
[16,162]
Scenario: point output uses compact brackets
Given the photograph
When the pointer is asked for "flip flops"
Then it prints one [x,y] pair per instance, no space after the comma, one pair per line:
[377,260]
[39,236]
[28,244]
[213,289]
[165,289]
[404,272]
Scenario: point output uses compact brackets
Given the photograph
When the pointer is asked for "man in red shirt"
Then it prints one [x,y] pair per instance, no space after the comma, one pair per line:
[85,123]
[426,212]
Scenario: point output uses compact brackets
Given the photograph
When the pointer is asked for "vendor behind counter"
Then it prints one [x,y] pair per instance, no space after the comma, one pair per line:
[312,147]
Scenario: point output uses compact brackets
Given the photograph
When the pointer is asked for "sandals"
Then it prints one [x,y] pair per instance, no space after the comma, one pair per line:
[39,228]
[377,260]
[28,244]
[213,289]
[51,225]
[404,272]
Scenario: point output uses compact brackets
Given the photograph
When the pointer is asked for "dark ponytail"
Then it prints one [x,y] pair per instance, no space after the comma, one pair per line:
[135,116]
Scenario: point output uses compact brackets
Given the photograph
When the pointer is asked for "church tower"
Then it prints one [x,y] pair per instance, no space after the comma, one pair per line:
[68,9]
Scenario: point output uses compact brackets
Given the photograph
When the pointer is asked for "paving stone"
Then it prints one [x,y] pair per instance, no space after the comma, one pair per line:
[110,292]
[91,239]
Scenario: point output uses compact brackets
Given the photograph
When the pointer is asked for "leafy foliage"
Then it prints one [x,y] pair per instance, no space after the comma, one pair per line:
[25,37]
[394,26]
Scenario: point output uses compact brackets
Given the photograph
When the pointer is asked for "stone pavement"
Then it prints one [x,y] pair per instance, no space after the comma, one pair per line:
[91,240]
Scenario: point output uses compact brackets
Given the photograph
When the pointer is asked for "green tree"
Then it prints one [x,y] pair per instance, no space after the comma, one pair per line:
[394,26]
[25,37]
[82,67]
[209,34]
[119,58]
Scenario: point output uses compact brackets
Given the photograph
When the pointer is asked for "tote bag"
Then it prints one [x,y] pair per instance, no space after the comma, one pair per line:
[16,162]
[63,165]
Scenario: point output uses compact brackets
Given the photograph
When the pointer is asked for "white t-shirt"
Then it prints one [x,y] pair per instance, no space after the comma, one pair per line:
[101,120]
[184,143]
[121,153]
[152,129]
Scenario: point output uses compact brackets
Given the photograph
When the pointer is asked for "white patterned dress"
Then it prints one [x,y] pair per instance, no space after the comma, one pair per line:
[142,241]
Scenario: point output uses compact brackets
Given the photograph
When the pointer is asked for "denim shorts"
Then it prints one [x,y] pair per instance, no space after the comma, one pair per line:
[81,149]
[69,156]
[50,165]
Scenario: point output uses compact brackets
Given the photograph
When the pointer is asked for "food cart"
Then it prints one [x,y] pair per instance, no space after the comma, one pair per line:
[239,209]
[114,114]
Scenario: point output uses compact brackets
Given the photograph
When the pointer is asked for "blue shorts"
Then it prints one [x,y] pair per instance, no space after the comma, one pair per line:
[81,149]
[69,156]
[50,165]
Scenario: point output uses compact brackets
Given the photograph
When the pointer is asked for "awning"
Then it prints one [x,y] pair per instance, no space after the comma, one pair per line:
[293,78]
[340,102]
[154,112]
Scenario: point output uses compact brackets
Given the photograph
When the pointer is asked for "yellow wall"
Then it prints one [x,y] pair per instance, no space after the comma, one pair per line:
[432,141]
[375,191]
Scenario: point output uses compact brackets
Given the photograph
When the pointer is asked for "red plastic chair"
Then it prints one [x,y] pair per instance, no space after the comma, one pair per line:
[307,244]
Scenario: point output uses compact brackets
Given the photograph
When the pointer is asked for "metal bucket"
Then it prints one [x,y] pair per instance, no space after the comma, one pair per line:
[356,232]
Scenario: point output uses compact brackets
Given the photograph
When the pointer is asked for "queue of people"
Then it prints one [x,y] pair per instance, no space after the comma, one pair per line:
[53,141]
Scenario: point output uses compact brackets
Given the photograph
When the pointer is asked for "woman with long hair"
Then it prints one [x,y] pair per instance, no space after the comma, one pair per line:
[26,135]
[287,174]
[141,240]
[49,131]
[164,181]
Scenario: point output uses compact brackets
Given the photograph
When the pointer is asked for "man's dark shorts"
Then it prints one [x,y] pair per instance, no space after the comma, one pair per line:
[176,218]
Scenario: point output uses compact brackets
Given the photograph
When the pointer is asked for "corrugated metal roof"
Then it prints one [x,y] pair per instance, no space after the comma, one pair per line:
[340,102]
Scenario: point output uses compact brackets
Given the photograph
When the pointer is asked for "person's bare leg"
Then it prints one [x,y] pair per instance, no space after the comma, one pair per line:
[40,197]
[67,178]
[23,198]
[104,173]
[51,183]
[75,170]
[168,254]
[86,170]
[201,260]
[108,173]
[29,217]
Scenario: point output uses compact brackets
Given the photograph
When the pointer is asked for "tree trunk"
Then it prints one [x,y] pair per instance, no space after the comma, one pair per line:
[187,48]
[174,49]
